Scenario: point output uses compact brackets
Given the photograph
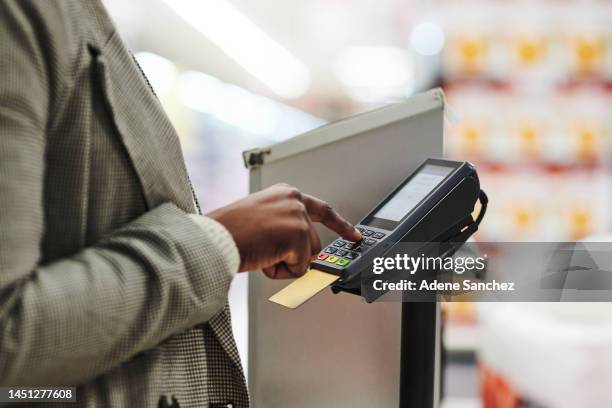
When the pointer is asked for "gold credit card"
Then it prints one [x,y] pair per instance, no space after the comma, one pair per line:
[303,288]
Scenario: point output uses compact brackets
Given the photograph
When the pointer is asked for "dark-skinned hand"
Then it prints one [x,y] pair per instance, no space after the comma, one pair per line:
[273,229]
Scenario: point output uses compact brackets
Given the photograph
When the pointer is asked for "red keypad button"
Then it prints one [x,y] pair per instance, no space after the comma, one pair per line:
[322,256]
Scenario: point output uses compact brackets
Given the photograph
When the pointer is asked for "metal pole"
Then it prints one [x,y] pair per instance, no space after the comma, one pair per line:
[420,355]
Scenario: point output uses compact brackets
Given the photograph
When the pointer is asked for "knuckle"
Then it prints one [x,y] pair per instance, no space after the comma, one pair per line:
[302,229]
[298,208]
[294,193]
[282,185]
[328,211]
[299,229]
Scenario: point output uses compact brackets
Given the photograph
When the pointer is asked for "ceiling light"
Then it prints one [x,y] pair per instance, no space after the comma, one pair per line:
[372,74]
[427,39]
[247,44]
[255,114]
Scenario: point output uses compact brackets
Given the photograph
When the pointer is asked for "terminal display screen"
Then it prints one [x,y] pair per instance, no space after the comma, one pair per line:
[410,194]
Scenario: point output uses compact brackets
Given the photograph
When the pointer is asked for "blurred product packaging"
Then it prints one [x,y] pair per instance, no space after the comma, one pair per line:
[545,354]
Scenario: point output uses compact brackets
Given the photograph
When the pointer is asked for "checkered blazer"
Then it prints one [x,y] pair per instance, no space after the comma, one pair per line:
[106,282]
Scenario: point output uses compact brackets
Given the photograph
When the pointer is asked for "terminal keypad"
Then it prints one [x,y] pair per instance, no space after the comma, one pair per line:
[344,252]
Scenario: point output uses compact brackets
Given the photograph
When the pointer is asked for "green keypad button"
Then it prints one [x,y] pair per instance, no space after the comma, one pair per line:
[342,262]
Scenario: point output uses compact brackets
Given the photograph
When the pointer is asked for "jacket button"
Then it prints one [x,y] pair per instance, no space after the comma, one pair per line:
[226,405]
[163,402]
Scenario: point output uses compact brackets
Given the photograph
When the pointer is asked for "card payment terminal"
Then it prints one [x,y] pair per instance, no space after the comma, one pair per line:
[434,204]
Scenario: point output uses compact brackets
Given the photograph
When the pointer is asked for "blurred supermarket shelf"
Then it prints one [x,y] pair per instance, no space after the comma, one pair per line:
[526,42]
[530,87]
[556,129]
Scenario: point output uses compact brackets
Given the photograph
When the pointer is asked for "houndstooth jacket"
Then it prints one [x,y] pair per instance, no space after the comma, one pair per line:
[106,280]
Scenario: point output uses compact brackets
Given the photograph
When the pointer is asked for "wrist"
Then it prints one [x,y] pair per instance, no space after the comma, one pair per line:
[222,238]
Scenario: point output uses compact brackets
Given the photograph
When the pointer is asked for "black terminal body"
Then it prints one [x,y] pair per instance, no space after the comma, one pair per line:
[434,204]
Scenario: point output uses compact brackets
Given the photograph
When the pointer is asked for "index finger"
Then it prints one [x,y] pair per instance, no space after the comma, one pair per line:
[320,211]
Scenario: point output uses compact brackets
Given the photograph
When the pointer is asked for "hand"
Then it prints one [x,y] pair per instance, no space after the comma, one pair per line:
[274,230]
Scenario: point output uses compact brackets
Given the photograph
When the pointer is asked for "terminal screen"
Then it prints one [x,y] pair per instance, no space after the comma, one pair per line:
[413,192]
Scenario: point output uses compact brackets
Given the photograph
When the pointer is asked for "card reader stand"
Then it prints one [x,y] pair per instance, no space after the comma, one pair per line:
[448,225]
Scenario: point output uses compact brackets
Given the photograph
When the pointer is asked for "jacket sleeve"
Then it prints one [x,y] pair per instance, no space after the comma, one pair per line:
[68,321]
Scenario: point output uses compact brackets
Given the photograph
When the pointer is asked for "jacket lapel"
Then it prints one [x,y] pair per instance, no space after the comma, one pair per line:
[146,132]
